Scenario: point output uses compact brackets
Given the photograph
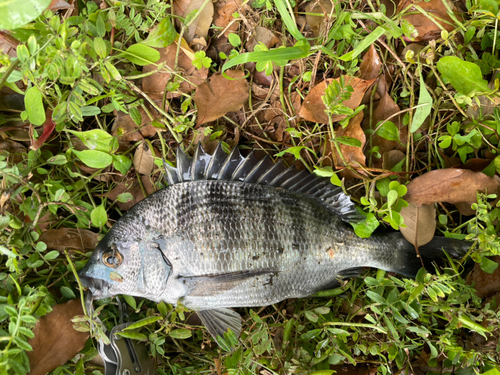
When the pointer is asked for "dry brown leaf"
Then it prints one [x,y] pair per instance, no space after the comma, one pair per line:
[69,238]
[420,223]
[154,84]
[133,187]
[449,185]
[144,159]
[352,155]
[427,28]
[371,66]
[55,341]
[318,23]
[8,44]
[224,11]
[313,108]
[486,284]
[262,35]
[391,158]
[220,95]
[200,26]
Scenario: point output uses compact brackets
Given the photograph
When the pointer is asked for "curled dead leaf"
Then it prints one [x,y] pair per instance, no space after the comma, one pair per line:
[144,159]
[451,185]
[315,22]
[313,108]
[371,66]
[352,155]
[69,238]
[200,25]
[224,11]
[55,341]
[420,223]
[220,95]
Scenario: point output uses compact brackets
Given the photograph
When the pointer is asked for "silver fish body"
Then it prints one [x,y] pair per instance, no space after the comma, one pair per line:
[212,244]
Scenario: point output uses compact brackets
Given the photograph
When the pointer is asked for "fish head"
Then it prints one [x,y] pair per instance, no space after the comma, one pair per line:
[137,268]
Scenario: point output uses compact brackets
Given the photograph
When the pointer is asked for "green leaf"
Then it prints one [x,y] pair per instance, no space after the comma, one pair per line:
[389,131]
[464,76]
[286,13]
[132,335]
[122,163]
[425,106]
[100,47]
[365,228]
[67,292]
[234,39]
[162,34]
[94,158]
[181,333]
[135,115]
[487,265]
[99,216]
[57,160]
[113,72]
[90,110]
[7,252]
[96,139]
[364,44]
[472,325]
[17,13]
[143,322]
[34,106]
[299,51]
[125,197]
[141,55]
[51,255]
[295,151]
[130,300]
[349,141]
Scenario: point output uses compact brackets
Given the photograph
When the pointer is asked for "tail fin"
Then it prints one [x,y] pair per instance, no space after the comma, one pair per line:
[433,251]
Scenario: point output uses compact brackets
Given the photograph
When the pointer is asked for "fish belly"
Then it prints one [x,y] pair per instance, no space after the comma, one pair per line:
[236,244]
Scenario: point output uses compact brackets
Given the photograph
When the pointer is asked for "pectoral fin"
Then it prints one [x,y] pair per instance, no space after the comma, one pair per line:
[213,284]
[218,321]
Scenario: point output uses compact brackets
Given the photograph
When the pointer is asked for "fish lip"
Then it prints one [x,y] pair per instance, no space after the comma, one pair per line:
[97,287]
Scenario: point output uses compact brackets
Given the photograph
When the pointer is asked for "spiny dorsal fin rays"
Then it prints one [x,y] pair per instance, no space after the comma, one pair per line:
[234,167]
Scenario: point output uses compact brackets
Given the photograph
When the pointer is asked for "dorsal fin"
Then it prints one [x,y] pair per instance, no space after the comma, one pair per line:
[235,167]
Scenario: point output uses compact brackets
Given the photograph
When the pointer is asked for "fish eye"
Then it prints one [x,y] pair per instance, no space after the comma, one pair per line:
[112,258]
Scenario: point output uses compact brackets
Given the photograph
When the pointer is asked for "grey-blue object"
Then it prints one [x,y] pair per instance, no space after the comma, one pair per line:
[234,231]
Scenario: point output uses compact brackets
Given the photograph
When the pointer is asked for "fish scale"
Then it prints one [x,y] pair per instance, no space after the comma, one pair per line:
[231,231]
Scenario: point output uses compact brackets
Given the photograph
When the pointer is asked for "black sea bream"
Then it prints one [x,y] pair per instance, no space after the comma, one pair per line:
[231,231]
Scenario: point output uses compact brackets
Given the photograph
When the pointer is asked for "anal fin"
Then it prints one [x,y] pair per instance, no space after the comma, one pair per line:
[218,321]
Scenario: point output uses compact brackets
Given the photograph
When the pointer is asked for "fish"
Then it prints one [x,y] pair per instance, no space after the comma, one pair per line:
[232,231]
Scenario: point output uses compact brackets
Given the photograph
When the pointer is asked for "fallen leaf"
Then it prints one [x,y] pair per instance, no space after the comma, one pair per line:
[220,95]
[200,26]
[486,284]
[313,108]
[318,23]
[262,35]
[391,158]
[154,84]
[69,238]
[353,156]
[133,187]
[127,130]
[420,223]
[449,185]
[56,5]
[425,27]
[224,11]
[55,341]
[371,66]
[144,160]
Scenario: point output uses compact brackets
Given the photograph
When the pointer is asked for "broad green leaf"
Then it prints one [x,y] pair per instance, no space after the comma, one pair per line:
[349,141]
[99,216]
[389,131]
[181,333]
[365,228]
[488,265]
[464,76]
[162,34]
[425,106]
[472,325]
[122,163]
[57,160]
[141,55]
[143,322]
[364,44]
[132,335]
[125,197]
[17,13]
[94,158]
[90,110]
[34,106]
[100,47]
[96,139]
[67,292]
[299,51]
[130,300]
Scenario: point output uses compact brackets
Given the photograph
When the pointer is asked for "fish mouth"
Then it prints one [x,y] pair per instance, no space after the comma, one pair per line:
[98,287]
